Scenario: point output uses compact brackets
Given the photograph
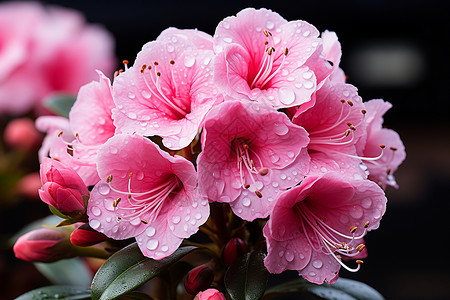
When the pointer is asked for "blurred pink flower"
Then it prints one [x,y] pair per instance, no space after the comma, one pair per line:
[21,133]
[169,89]
[382,170]
[210,294]
[248,156]
[145,193]
[47,50]
[263,57]
[316,224]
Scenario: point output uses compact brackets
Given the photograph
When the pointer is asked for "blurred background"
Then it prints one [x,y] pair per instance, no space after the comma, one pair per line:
[394,50]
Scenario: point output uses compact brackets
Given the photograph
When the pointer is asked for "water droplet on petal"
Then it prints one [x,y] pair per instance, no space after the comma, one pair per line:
[135,222]
[286,95]
[150,231]
[96,211]
[275,184]
[176,219]
[289,256]
[104,189]
[259,185]
[307,75]
[189,61]
[170,48]
[280,128]
[306,33]
[152,244]
[356,212]
[198,216]
[274,158]
[227,39]
[270,24]
[291,155]
[366,202]
[301,256]
[281,253]
[283,176]
[317,264]
[308,84]
[246,202]
[95,224]
[225,199]
[164,248]
[132,115]
[312,274]
[131,95]
[226,25]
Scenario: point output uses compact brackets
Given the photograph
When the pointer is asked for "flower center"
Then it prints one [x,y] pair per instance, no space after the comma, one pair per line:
[270,64]
[178,106]
[245,163]
[324,238]
[144,205]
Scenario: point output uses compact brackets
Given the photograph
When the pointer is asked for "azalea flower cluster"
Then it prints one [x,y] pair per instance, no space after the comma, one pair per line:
[257,117]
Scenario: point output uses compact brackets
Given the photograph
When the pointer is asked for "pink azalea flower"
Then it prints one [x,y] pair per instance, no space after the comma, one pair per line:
[147,194]
[382,170]
[263,57]
[320,222]
[210,294]
[333,53]
[76,142]
[335,125]
[169,89]
[250,152]
[47,50]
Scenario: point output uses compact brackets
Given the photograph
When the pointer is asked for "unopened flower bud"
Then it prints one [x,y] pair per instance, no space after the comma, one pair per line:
[199,279]
[233,249]
[85,236]
[63,189]
[210,294]
[21,133]
[29,185]
[43,245]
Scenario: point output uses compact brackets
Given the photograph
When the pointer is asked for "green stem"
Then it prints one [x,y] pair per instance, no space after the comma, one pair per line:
[91,252]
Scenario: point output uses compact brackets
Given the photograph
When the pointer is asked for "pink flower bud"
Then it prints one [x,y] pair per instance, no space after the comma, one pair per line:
[199,279]
[85,236]
[54,171]
[210,294]
[21,133]
[233,249]
[43,245]
[29,185]
[63,189]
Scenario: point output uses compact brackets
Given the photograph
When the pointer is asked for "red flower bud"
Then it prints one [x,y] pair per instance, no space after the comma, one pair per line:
[43,245]
[85,236]
[199,279]
[21,133]
[210,294]
[233,249]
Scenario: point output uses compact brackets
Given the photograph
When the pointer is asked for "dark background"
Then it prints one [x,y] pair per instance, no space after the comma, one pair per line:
[395,50]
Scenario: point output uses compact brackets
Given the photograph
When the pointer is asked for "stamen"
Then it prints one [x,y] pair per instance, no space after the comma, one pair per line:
[353,229]
[366,224]
[360,247]
[258,193]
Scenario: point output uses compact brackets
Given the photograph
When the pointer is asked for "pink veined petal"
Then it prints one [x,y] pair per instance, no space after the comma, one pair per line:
[200,39]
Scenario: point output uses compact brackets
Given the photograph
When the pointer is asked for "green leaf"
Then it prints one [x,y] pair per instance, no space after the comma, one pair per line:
[60,104]
[246,278]
[72,272]
[343,289]
[128,269]
[61,292]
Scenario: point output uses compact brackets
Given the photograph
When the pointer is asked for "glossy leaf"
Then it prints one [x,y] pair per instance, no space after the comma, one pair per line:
[343,289]
[60,104]
[69,272]
[128,269]
[246,278]
[61,292]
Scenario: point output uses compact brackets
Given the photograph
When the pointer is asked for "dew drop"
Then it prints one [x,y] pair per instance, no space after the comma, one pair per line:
[189,61]
[283,176]
[317,264]
[164,248]
[170,48]
[96,211]
[356,212]
[176,219]
[281,253]
[94,223]
[198,216]
[104,189]
[312,274]
[307,75]
[323,169]
[301,256]
[275,184]
[289,256]
[246,202]
[291,155]
[308,84]
[274,158]
[113,150]
[227,39]
[259,185]
[226,25]
[225,199]
[131,95]
[280,128]
[285,72]
[306,33]
[135,222]
[131,115]
[286,95]
[146,94]
[270,24]
[152,244]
